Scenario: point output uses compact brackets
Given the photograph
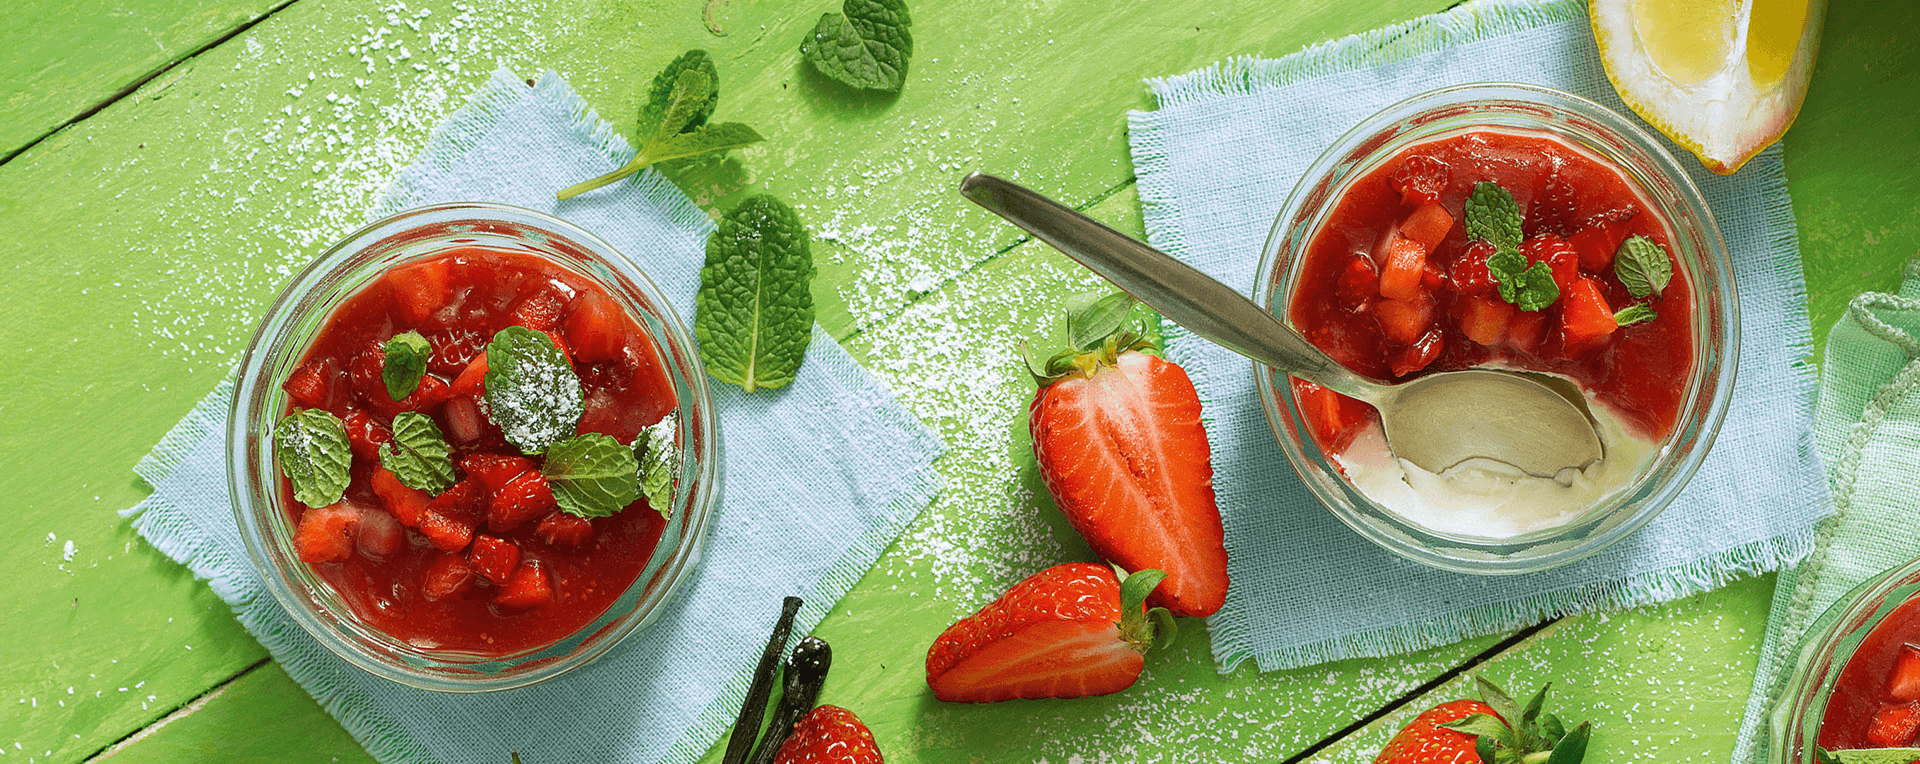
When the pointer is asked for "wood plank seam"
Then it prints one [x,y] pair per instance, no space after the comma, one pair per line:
[176,713]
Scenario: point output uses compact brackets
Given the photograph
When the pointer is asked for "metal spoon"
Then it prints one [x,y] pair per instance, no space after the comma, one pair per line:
[1435,421]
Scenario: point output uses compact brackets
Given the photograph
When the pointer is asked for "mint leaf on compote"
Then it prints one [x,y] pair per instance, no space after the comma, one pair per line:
[532,393]
[311,446]
[1536,289]
[1643,267]
[1492,215]
[754,312]
[659,464]
[592,475]
[405,361]
[865,46]
[418,454]
[1634,314]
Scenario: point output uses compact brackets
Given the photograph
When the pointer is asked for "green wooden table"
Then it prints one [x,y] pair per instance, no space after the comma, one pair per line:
[166,164]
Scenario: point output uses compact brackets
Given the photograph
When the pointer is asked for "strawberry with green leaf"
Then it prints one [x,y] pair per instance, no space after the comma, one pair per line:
[1492,730]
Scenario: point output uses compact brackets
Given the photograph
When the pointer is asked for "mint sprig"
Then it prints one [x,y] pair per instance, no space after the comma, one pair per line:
[1493,217]
[1642,266]
[403,363]
[592,475]
[311,446]
[865,46]
[659,464]
[418,454]
[1634,314]
[753,314]
[673,122]
[532,393]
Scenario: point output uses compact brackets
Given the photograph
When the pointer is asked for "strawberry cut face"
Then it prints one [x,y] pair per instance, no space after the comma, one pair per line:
[1053,635]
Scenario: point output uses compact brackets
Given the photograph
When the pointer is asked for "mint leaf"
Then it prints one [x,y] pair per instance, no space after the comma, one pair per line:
[1506,267]
[532,392]
[754,312]
[1536,289]
[404,363]
[659,464]
[591,475]
[1634,314]
[1492,215]
[864,46]
[1092,318]
[673,122]
[418,454]
[653,112]
[1642,266]
[311,446]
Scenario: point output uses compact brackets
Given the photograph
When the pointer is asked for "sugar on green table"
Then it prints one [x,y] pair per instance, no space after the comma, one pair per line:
[163,223]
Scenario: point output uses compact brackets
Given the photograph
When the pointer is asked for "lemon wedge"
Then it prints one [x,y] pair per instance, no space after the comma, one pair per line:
[1723,78]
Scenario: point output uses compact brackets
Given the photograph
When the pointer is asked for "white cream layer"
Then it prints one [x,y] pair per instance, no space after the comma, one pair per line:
[1491,499]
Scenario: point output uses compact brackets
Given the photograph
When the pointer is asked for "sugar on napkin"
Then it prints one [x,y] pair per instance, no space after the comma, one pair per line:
[817,478]
[1215,163]
[1868,427]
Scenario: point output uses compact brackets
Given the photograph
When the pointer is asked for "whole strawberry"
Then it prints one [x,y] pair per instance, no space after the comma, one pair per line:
[1482,732]
[829,735]
[1069,631]
[1117,434]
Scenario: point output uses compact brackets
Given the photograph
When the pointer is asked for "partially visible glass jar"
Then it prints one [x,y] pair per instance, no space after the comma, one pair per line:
[1825,649]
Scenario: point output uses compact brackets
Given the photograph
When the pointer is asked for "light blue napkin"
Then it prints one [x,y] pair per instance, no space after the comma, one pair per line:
[817,479]
[1216,162]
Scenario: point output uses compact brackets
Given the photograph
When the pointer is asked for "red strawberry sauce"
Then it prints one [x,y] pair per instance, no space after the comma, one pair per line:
[1576,212]
[567,570]
[1870,692]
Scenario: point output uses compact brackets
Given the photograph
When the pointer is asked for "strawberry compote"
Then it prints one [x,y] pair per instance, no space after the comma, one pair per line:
[1393,285]
[490,565]
[1876,700]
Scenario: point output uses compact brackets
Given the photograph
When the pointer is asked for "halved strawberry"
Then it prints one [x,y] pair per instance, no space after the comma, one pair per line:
[1904,684]
[377,534]
[597,328]
[562,529]
[494,558]
[1358,282]
[421,289]
[1585,319]
[494,470]
[829,735]
[527,588]
[1484,319]
[312,384]
[447,534]
[1404,262]
[1066,632]
[325,534]
[1428,225]
[405,504]
[448,575]
[1894,726]
[521,499]
[1404,321]
[1418,355]
[1335,418]
[1122,449]
[1420,179]
[366,434]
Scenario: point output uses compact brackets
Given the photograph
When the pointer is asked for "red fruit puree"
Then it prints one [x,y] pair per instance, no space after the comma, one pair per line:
[488,566]
[1876,700]
[1393,288]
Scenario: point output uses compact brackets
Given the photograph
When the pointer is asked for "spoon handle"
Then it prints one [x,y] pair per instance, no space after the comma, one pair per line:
[1179,291]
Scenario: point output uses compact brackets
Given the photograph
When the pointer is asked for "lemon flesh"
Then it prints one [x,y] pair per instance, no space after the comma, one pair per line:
[1722,78]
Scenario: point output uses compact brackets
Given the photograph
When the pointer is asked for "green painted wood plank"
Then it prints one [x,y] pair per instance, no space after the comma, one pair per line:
[58,59]
[262,716]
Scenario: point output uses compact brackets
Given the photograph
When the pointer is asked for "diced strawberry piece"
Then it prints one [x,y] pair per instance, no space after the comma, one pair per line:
[1334,418]
[1585,319]
[378,535]
[559,343]
[420,290]
[1469,272]
[1558,255]
[1427,225]
[1905,682]
[447,534]
[562,529]
[521,499]
[1894,726]
[1420,354]
[364,374]
[1555,206]
[464,423]
[405,504]
[539,312]
[528,588]
[465,500]
[431,392]
[448,575]
[1406,260]
[1484,319]
[453,349]
[597,328]
[472,380]
[325,534]
[494,558]
[1358,282]
[1432,278]
[1403,321]
[1591,245]
[494,470]
[366,434]
[1527,330]
[1420,179]
[645,396]
[311,385]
